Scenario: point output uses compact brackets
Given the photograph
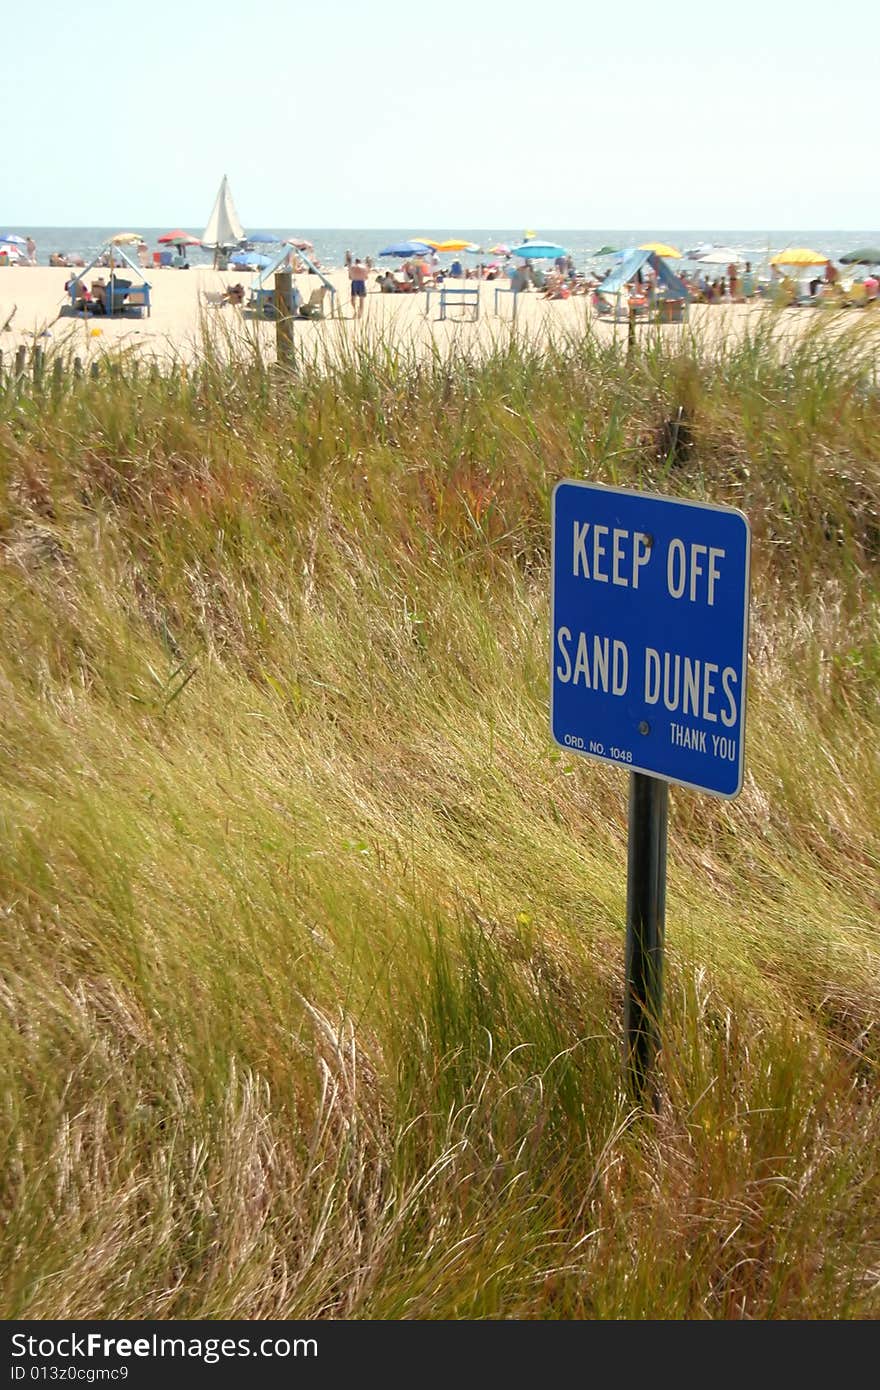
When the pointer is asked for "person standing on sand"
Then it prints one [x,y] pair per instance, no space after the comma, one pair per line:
[357,274]
[31,251]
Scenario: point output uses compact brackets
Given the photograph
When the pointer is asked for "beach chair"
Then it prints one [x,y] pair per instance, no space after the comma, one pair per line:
[165,258]
[138,298]
[313,308]
[120,295]
[262,301]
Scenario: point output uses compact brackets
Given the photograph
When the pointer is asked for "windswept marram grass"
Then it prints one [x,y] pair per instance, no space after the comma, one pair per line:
[311,992]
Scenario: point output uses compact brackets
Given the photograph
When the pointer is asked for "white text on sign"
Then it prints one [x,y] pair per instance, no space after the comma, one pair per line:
[614,555]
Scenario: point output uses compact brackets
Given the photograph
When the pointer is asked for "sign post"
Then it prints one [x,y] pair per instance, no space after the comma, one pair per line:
[645,923]
[649,641]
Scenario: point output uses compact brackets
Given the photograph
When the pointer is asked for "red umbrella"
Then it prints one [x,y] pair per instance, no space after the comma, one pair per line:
[179,238]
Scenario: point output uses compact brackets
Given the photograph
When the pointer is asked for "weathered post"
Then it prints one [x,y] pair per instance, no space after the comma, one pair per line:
[284,317]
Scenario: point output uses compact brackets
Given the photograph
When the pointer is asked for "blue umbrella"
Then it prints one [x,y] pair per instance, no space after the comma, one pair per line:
[538,251]
[406,248]
[249,260]
[14,239]
[261,236]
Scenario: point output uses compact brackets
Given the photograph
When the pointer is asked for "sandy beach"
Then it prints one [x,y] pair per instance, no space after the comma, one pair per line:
[182,312]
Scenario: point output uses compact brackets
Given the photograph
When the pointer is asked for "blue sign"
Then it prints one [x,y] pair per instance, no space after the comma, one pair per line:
[649,633]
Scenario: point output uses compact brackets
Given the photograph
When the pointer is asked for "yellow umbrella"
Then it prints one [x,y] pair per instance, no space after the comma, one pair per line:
[454,245]
[798,255]
[661,249]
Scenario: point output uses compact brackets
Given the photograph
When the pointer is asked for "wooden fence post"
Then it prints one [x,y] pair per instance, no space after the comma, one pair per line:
[283,317]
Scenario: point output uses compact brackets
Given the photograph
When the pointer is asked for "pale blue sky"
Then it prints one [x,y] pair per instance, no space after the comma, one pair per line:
[481,115]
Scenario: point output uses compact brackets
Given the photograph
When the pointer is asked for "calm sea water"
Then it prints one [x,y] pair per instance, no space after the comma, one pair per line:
[332,243]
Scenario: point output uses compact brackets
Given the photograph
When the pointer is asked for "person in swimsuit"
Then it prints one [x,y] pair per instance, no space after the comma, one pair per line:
[357,274]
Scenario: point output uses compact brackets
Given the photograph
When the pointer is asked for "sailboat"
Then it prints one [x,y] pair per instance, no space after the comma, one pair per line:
[224,230]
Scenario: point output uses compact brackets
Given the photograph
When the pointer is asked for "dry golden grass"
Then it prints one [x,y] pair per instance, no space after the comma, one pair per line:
[312,983]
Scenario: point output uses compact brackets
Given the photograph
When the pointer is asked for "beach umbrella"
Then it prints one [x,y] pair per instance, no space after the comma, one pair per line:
[407,248]
[249,260]
[300,244]
[126,239]
[455,245]
[798,255]
[499,250]
[263,237]
[179,238]
[606,251]
[14,239]
[661,249]
[720,255]
[868,255]
[538,251]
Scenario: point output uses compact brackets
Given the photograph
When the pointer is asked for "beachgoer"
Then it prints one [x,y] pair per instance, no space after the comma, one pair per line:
[79,290]
[348,259]
[31,251]
[99,295]
[830,273]
[357,274]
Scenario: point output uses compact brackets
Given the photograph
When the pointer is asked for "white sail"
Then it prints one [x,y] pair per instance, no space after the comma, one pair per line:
[224,228]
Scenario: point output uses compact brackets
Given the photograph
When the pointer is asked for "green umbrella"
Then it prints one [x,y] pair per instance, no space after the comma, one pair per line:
[606,251]
[868,255]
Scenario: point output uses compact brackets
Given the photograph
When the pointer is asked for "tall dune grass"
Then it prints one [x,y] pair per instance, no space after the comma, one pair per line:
[312,975]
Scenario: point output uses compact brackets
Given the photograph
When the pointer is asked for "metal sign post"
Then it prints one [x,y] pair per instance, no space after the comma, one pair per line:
[649,640]
[645,922]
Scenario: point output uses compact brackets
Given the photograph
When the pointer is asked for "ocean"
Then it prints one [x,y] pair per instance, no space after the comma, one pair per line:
[331,243]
